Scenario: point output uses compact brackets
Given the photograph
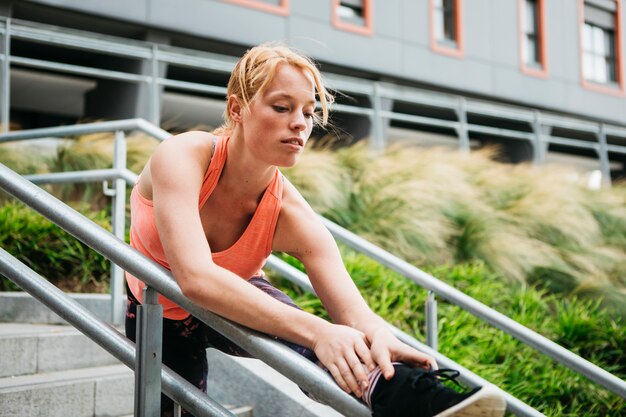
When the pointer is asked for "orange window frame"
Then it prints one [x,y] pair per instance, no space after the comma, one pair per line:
[542,39]
[282,9]
[619,58]
[459,51]
[368,16]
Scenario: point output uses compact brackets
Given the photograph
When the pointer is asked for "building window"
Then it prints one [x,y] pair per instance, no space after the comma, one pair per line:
[280,7]
[446,28]
[445,22]
[353,15]
[533,45]
[601,58]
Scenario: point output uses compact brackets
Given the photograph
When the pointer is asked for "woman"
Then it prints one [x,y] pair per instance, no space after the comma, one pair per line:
[212,207]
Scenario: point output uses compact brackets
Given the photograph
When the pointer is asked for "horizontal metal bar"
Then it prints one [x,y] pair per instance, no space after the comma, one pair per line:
[616,148]
[191,59]
[416,96]
[306,374]
[186,85]
[575,143]
[423,120]
[82,129]
[468,377]
[80,70]
[104,335]
[344,108]
[349,84]
[548,119]
[75,176]
[84,41]
[614,130]
[488,109]
[514,134]
[520,332]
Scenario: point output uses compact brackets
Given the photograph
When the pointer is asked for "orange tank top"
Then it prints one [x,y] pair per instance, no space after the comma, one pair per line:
[245,257]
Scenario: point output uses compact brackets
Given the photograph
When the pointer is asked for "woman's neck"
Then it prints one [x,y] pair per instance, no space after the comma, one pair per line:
[243,174]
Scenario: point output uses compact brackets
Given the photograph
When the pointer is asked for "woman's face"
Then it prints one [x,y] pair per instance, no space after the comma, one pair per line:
[280,120]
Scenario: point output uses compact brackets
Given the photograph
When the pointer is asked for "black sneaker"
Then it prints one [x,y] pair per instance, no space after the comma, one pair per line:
[415,392]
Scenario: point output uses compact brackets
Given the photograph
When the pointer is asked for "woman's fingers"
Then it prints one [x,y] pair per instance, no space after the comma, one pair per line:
[345,354]
[346,377]
[383,359]
[365,355]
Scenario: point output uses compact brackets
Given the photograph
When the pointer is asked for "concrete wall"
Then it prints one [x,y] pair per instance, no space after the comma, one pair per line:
[399,47]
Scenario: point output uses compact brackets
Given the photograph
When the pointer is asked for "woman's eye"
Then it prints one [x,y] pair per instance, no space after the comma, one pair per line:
[281,109]
[308,115]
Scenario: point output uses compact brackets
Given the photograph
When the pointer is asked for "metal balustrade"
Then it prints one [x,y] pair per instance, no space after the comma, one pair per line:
[135,265]
[540,124]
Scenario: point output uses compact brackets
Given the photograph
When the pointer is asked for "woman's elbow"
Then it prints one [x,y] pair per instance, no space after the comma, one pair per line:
[195,285]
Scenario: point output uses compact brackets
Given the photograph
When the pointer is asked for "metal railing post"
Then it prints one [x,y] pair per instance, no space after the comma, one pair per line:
[461,130]
[432,339]
[603,153]
[5,85]
[540,146]
[377,143]
[148,365]
[155,96]
[118,213]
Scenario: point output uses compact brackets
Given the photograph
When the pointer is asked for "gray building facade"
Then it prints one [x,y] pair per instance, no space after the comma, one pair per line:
[475,70]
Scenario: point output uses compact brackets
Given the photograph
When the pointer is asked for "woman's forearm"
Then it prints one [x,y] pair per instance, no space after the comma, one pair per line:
[229,296]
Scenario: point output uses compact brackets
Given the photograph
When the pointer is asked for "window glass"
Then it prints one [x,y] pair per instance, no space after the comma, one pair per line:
[445,21]
[531,53]
[599,62]
[351,11]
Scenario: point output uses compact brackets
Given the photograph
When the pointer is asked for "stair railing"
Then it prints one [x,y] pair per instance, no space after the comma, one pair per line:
[105,335]
[306,374]
[427,281]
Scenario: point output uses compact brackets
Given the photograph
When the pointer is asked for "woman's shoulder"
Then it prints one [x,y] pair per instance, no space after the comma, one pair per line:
[197,145]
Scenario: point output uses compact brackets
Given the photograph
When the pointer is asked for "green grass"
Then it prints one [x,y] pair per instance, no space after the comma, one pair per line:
[51,252]
[580,325]
[530,243]
[432,207]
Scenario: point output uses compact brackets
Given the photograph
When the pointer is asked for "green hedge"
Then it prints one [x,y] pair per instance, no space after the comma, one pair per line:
[52,252]
[580,325]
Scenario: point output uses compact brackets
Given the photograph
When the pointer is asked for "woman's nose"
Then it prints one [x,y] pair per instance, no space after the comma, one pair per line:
[298,122]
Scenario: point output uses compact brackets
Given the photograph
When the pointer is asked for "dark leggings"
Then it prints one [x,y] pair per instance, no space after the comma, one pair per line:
[185,343]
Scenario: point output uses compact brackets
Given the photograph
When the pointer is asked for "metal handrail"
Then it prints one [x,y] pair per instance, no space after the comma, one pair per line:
[480,310]
[306,374]
[86,128]
[514,405]
[511,327]
[105,335]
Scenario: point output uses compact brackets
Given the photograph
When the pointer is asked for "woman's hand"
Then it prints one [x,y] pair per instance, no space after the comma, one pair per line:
[386,348]
[344,351]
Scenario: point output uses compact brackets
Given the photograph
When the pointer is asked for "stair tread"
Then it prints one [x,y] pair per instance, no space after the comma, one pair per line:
[29,330]
[63,377]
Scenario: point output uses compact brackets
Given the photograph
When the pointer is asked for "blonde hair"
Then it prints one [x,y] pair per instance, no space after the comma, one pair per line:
[255,71]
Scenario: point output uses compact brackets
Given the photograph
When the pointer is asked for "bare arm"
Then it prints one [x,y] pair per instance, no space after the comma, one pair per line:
[177,169]
[303,236]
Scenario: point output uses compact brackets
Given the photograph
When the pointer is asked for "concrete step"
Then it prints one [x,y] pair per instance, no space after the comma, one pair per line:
[54,370]
[98,391]
[235,380]
[29,349]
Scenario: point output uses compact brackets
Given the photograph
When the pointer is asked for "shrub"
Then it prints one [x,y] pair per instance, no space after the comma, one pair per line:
[50,251]
[580,325]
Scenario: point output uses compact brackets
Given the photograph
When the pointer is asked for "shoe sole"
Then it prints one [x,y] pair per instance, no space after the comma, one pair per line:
[487,402]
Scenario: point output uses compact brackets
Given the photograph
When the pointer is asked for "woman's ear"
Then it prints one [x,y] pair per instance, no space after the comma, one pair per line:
[235,108]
